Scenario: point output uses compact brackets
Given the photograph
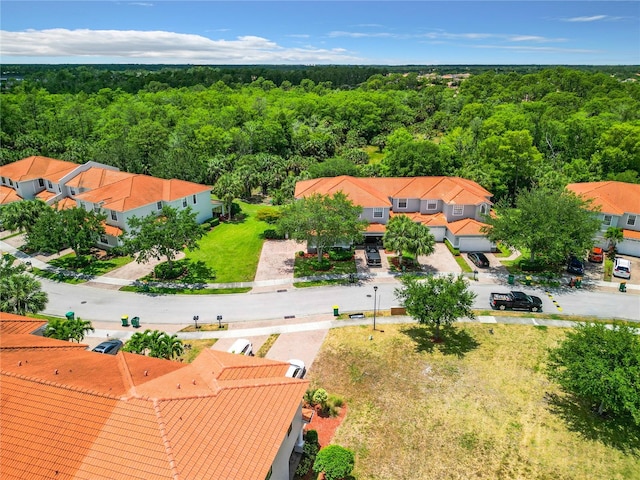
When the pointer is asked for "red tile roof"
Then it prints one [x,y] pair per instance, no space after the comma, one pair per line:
[375,192]
[96,177]
[37,167]
[92,416]
[8,195]
[467,226]
[136,191]
[11,323]
[611,197]
[631,234]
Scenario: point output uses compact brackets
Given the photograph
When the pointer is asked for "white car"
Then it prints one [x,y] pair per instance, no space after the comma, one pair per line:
[621,268]
[241,346]
[296,369]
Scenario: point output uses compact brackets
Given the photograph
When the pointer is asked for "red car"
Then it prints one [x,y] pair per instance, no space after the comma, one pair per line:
[596,255]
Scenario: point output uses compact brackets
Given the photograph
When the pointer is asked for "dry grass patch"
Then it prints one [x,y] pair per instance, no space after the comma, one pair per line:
[477,406]
[195,347]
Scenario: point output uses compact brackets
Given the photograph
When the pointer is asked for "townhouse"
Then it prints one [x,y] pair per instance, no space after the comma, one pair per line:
[101,188]
[72,413]
[452,207]
[619,206]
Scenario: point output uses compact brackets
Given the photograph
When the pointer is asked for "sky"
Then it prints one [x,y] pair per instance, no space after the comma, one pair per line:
[321,32]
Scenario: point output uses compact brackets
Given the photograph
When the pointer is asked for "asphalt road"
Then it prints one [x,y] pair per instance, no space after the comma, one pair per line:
[98,304]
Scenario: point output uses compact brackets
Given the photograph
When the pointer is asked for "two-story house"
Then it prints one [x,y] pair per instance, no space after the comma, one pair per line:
[452,207]
[101,188]
[72,413]
[619,206]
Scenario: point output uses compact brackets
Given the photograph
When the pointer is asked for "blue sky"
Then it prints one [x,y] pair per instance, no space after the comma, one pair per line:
[321,32]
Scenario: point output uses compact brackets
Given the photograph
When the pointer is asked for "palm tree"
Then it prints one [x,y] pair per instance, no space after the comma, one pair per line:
[138,343]
[171,346]
[615,235]
[57,328]
[78,329]
[21,294]
[403,234]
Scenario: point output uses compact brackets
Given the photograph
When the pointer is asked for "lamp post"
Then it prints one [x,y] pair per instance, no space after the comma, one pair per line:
[195,319]
[375,291]
[219,318]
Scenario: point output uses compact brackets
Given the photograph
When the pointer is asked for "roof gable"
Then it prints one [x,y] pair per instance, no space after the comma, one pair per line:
[616,198]
[37,167]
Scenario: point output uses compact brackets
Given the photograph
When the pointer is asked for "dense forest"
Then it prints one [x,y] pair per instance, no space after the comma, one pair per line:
[265,128]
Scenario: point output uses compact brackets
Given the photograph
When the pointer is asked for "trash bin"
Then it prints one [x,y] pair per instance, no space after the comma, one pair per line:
[512,279]
[70,315]
[125,320]
[335,311]
[579,282]
[623,286]
[527,280]
[135,322]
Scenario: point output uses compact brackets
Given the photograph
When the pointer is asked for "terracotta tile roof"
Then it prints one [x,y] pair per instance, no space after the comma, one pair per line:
[11,323]
[124,416]
[66,203]
[631,234]
[45,195]
[375,192]
[430,220]
[111,230]
[8,195]
[138,190]
[26,341]
[37,167]
[376,228]
[96,177]
[467,226]
[615,198]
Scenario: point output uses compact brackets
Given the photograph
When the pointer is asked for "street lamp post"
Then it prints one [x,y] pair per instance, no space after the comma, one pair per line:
[195,319]
[375,291]
[219,318]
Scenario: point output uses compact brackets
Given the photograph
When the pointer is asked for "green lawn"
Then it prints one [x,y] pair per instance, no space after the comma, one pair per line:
[303,267]
[375,156]
[93,266]
[232,249]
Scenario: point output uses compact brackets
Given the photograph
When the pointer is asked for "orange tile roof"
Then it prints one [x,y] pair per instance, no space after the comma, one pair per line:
[631,234]
[375,192]
[611,197]
[37,167]
[111,230]
[66,203]
[91,416]
[376,228]
[431,220]
[96,177]
[8,195]
[11,323]
[45,195]
[138,190]
[467,226]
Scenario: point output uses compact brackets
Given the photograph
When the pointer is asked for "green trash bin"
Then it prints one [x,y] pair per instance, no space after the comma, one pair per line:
[135,322]
[70,315]
[335,311]
[125,320]
[512,279]
[623,286]
[527,280]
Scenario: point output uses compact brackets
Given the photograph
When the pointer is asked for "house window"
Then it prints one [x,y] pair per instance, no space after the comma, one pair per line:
[96,208]
[50,184]
[73,191]
[114,215]
[458,210]
[11,182]
[432,204]
[184,202]
[103,239]
[631,220]
[606,221]
[483,209]
[194,199]
[402,203]
[377,212]
[290,428]
[2,179]
[59,188]
[40,182]
[159,205]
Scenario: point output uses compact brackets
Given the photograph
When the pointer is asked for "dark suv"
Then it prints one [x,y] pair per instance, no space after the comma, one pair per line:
[575,265]
[109,347]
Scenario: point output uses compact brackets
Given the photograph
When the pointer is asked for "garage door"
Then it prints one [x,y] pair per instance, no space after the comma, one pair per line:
[629,247]
[474,244]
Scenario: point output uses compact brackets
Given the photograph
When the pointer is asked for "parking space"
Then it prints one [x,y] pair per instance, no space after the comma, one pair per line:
[301,345]
[224,344]
[440,261]
[635,269]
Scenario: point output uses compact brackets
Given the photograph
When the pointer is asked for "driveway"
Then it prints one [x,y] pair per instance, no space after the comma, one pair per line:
[440,261]
[495,266]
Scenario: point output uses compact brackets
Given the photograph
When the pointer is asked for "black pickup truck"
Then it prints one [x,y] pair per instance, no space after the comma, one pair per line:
[372,255]
[515,301]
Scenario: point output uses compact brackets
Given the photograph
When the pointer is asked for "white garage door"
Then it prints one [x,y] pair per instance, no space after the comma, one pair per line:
[474,244]
[629,247]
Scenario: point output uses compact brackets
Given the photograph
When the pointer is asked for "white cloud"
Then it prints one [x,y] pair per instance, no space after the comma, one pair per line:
[442,35]
[593,18]
[141,4]
[157,47]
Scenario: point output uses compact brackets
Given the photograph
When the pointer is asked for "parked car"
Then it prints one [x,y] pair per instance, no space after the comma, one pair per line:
[372,255]
[515,301]
[242,346]
[296,369]
[110,347]
[575,265]
[479,259]
[596,255]
[621,268]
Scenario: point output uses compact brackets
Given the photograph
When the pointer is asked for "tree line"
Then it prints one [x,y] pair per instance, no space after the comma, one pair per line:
[507,131]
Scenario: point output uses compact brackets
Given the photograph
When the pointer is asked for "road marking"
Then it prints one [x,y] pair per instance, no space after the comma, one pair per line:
[554,301]
[487,319]
[534,322]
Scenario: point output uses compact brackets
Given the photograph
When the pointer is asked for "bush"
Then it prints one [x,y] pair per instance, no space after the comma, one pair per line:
[529,266]
[271,234]
[455,251]
[311,437]
[336,400]
[335,461]
[301,254]
[213,222]
[169,271]
[320,397]
[269,215]
[340,255]
[320,265]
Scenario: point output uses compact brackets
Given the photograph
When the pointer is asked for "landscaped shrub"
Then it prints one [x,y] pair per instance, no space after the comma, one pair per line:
[336,400]
[271,234]
[340,255]
[320,397]
[269,215]
[169,271]
[300,253]
[311,436]
[320,265]
[455,251]
[309,452]
[335,461]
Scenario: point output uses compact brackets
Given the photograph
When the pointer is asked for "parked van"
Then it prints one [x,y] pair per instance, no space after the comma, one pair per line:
[241,346]
[622,267]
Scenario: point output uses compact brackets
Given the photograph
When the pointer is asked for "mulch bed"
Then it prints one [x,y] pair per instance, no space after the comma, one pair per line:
[327,426]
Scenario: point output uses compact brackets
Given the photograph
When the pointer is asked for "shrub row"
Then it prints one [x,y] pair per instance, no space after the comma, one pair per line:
[455,251]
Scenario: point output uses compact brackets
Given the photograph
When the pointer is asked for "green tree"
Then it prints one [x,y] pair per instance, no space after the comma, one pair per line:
[436,301]
[227,189]
[19,292]
[615,235]
[322,221]
[403,234]
[154,343]
[600,366]
[47,233]
[163,236]
[81,229]
[79,328]
[335,461]
[68,329]
[22,215]
[551,224]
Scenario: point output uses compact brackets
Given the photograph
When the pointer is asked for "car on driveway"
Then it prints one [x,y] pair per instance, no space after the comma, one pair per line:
[372,255]
[621,268]
[575,265]
[110,347]
[596,255]
[242,346]
[296,369]
[479,259]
